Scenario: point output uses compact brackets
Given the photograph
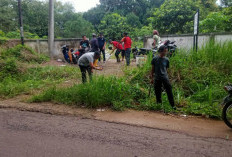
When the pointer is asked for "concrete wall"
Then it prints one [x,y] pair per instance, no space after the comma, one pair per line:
[182,41]
[41,46]
[186,41]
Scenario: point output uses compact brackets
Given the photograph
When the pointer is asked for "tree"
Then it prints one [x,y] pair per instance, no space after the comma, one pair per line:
[144,31]
[35,17]
[113,25]
[228,12]
[133,20]
[77,27]
[8,18]
[215,22]
[95,15]
[173,15]
[226,3]
[125,7]
[208,4]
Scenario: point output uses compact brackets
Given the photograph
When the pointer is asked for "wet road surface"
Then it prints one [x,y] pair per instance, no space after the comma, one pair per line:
[29,134]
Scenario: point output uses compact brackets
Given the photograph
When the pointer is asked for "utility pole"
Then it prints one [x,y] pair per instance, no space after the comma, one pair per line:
[51,29]
[21,21]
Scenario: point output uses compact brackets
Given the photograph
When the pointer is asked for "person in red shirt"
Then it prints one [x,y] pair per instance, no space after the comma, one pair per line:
[118,46]
[127,46]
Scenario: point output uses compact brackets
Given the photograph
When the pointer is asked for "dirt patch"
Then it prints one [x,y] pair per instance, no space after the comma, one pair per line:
[112,68]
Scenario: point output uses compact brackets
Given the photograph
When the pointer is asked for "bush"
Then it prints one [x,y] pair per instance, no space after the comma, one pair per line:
[100,92]
[16,35]
[8,68]
[23,54]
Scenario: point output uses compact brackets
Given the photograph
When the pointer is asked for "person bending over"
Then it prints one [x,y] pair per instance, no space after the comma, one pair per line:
[118,46]
[86,64]
[159,75]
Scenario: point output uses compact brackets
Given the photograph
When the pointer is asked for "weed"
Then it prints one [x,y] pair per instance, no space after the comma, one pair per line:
[100,92]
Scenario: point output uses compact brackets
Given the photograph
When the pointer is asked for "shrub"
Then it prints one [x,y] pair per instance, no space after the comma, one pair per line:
[23,53]
[100,92]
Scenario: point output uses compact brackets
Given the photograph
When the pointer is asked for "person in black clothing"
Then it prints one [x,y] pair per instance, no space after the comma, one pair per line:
[102,45]
[159,76]
[84,44]
[94,44]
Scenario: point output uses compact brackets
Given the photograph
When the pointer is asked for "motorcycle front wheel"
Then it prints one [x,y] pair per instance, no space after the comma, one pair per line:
[227,114]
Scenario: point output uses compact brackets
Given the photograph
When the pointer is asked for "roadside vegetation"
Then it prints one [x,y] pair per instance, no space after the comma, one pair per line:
[21,72]
[198,79]
[112,17]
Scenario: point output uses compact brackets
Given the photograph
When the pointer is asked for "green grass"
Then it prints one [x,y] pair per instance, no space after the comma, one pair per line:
[197,77]
[100,92]
[21,72]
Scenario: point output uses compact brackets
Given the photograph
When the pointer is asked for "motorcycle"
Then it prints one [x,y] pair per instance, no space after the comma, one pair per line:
[170,45]
[75,55]
[227,107]
[143,51]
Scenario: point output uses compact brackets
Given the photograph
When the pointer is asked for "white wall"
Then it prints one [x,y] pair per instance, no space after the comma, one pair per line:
[186,41]
[41,46]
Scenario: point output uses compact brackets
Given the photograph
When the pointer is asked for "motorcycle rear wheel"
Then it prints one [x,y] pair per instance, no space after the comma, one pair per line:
[227,114]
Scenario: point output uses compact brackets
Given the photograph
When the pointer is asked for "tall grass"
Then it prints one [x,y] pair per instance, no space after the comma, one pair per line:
[100,92]
[20,72]
[197,78]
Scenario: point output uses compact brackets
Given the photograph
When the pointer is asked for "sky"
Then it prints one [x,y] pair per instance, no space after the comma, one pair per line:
[82,5]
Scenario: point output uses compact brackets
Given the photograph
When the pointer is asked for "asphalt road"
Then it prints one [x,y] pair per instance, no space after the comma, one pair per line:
[28,134]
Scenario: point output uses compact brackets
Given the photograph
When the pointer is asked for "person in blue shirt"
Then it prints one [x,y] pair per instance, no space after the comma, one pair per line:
[94,44]
[102,46]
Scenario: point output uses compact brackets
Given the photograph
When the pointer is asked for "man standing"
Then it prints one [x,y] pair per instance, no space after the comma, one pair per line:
[159,75]
[94,44]
[118,46]
[127,46]
[86,64]
[102,45]
[84,44]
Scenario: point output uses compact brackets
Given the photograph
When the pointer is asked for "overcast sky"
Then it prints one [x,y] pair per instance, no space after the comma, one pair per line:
[85,5]
[82,5]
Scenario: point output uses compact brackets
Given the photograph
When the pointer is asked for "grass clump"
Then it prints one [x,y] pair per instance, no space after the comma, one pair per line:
[23,54]
[100,92]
